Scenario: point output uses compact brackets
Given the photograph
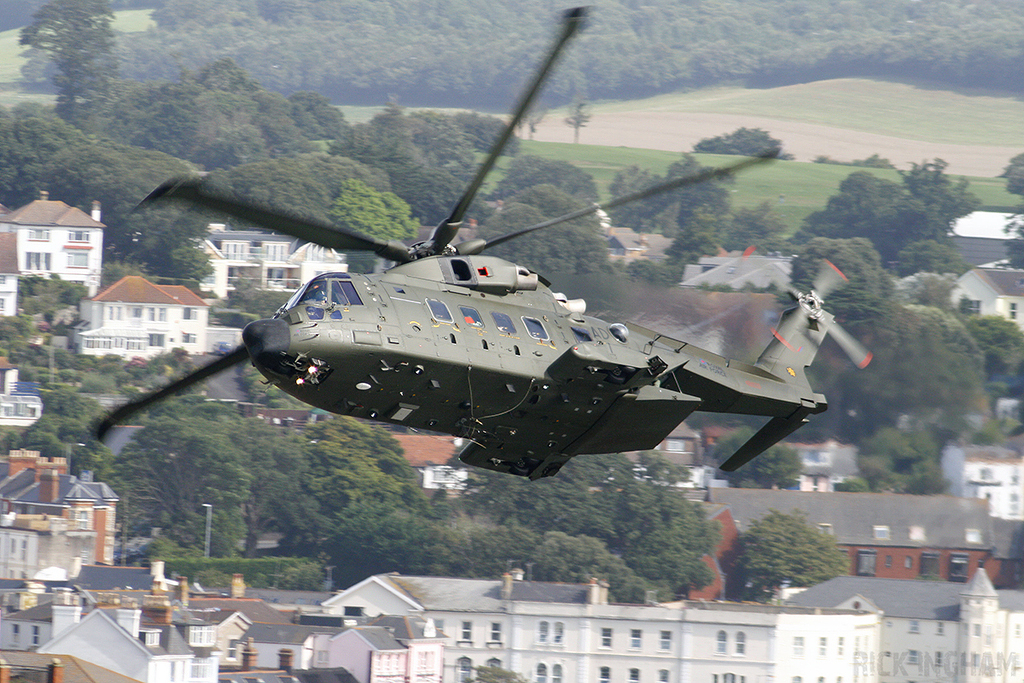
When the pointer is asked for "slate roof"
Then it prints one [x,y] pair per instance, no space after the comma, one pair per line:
[9,253]
[23,488]
[738,271]
[105,578]
[481,595]
[138,290]
[288,634]
[276,596]
[943,519]
[257,611]
[50,213]
[901,598]
[378,637]
[403,627]
[75,670]
[1005,281]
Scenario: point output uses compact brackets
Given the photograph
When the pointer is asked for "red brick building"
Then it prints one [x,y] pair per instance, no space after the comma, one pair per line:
[888,535]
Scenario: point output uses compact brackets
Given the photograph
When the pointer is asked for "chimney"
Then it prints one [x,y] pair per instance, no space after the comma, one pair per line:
[517,574]
[5,671]
[506,586]
[156,570]
[249,655]
[96,214]
[237,586]
[49,486]
[157,608]
[597,592]
[284,659]
[44,195]
[19,460]
[67,611]
[129,618]
[55,674]
[183,591]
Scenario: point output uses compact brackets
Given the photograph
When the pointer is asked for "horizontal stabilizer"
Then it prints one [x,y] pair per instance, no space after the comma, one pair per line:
[771,433]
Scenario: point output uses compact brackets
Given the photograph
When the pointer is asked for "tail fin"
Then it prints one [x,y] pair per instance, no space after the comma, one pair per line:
[795,343]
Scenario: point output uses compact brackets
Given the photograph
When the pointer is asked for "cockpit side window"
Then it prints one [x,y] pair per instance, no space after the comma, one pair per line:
[471,316]
[343,293]
[582,334]
[316,292]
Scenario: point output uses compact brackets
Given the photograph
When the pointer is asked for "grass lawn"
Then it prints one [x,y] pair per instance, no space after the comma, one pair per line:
[795,189]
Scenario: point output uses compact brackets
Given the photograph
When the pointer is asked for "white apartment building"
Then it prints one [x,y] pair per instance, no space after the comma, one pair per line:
[993,473]
[934,631]
[134,317]
[271,261]
[570,633]
[56,239]
[9,274]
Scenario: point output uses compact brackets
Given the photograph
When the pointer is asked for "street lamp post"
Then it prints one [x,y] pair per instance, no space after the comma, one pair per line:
[209,519]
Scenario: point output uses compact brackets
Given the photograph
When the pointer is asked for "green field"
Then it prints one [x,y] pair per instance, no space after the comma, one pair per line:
[795,189]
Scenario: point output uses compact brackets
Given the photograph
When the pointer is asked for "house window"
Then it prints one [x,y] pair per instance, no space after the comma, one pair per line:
[929,565]
[721,643]
[606,637]
[938,659]
[542,632]
[972,536]
[35,635]
[188,338]
[958,564]
[665,643]
[913,657]
[78,235]
[663,676]
[822,646]
[798,646]
[866,562]
[15,633]
[232,648]
[542,673]
[556,673]
[494,663]
[78,260]
[1013,311]
[559,634]
[156,340]
[37,261]
[465,665]
[189,313]
[940,629]
[634,638]
[467,631]
[741,643]
[39,234]
[880,532]
[908,562]
[915,626]
[495,632]
[200,636]
[634,676]
[888,561]
[604,675]
[201,668]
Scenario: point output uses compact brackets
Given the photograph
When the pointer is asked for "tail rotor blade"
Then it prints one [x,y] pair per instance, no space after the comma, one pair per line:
[127,410]
[829,278]
[860,356]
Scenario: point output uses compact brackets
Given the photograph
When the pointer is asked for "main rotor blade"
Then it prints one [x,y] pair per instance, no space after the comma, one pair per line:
[476,246]
[127,410]
[192,190]
[449,227]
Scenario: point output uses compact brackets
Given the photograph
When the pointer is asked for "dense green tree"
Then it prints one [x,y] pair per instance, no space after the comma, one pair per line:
[316,118]
[79,39]
[527,171]
[743,141]
[906,462]
[577,559]
[494,674]
[930,256]
[759,226]
[1014,174]
[27,147]
[778,467]
[1001,342]
[573,248]
[783,550]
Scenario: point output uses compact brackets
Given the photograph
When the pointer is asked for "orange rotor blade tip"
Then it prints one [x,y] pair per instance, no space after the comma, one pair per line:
[864,363]
[750,250]
[835,268]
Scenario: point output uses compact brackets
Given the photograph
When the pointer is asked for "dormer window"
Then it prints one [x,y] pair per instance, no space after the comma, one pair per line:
[972,535]
[200,636]
[152,638]
[880,532]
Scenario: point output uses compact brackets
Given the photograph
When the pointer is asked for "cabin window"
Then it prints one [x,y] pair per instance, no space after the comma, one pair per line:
[503,323]
[439,311]
[471,316]
[535,328]
[582,334]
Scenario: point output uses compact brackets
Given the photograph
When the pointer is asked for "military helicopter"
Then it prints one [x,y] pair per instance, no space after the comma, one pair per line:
[455,341]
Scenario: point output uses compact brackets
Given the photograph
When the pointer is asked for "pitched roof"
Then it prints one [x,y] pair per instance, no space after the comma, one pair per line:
[481,595]
[104,578]
[933,521]
[421,450]
[138,290]
[9,253]
[1004,281]
[257,611]
[293,634]
[75,670]
[43,212]
[939,600]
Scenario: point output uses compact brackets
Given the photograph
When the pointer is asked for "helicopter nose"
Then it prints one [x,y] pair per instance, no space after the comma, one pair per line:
[267,340]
